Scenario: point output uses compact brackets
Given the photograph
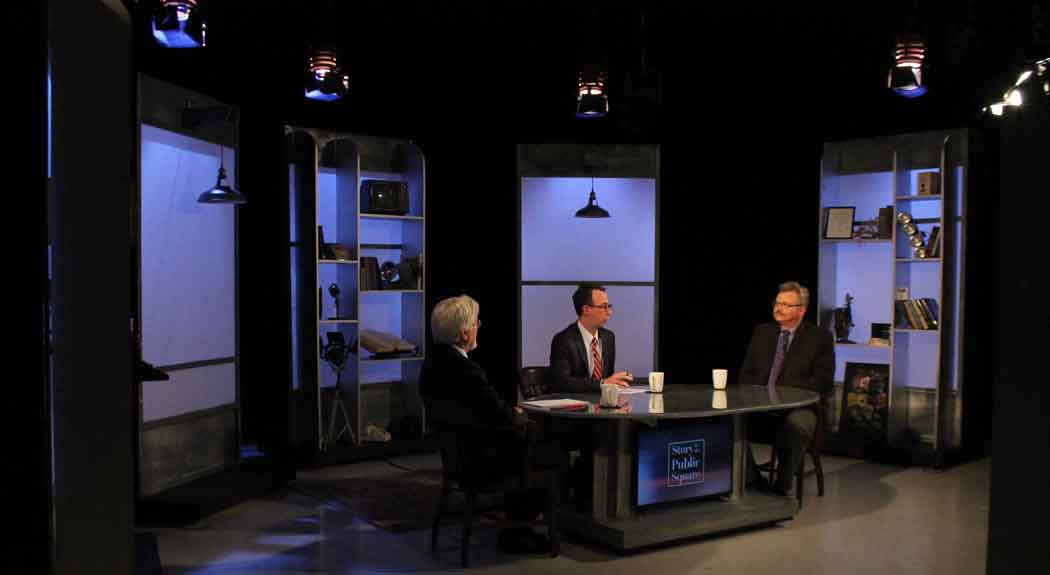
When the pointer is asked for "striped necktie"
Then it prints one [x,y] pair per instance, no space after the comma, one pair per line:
[778,359]
[597,373]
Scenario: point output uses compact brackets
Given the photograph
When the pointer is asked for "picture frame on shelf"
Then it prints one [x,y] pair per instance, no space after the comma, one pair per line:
[838,222]
[865,402]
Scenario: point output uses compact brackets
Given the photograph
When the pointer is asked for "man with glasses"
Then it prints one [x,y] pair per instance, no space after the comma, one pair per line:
[794,353]
[583,355]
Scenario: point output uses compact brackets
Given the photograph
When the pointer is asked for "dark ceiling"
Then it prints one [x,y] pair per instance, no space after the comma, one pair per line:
[510,66]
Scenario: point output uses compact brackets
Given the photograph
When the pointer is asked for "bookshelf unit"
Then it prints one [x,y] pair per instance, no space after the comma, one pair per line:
[924,393]
[337,416]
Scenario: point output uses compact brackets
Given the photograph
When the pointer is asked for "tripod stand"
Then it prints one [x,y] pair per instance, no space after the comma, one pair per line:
[335,354]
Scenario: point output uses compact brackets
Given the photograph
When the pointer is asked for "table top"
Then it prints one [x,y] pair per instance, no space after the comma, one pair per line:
[681,402]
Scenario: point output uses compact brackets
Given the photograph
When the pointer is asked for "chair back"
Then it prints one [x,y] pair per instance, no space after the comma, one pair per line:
[533,381]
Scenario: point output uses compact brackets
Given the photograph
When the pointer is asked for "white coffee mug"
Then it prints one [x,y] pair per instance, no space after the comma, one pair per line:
[719,377]
[656,403]
[610,394]
[718,400]
[656,381]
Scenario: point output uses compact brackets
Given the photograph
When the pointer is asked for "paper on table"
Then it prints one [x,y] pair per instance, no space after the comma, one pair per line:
[556,403]
[633,389]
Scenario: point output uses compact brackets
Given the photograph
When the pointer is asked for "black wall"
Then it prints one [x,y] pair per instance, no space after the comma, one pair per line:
[740,100]
[1019,499]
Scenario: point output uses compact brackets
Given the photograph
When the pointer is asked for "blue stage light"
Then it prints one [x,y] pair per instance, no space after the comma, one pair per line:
[179,24]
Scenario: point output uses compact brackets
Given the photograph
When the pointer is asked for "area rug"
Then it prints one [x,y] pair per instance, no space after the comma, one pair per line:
[398,503]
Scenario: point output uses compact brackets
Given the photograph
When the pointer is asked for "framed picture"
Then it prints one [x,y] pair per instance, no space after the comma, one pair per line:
[838,222]
[865,402]
[339,252]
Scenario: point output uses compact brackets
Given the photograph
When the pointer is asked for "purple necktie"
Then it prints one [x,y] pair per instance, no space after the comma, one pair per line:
[778,359]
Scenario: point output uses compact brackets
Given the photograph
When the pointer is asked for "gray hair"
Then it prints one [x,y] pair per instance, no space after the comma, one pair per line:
[451,316]
[801,290]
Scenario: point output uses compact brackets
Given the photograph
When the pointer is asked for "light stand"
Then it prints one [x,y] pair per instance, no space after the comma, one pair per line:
[334,354]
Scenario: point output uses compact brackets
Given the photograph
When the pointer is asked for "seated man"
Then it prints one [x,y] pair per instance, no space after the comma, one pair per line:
[457,394]
[583,355]
[794,353]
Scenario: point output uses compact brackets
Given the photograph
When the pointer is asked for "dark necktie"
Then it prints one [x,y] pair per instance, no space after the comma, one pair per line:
[778,359]
[597,373]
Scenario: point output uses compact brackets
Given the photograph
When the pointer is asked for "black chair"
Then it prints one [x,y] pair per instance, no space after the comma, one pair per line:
[533,381]
[813,450]
[466,466]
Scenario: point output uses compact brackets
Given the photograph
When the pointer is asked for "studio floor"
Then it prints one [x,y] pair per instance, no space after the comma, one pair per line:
[872,519]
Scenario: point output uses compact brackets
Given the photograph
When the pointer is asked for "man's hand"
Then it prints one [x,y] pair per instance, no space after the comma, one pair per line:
[620,378]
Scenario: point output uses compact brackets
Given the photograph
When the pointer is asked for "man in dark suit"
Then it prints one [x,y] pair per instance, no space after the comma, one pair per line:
[583,355]
[790,352]
[458,395]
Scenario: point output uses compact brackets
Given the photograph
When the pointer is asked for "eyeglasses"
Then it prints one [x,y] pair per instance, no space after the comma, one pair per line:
[605,306]
[785,304]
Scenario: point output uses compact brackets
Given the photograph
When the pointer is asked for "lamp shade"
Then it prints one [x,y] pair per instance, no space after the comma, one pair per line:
[592,209]
[591,99]
[325,80]
[221,193]
[906,74]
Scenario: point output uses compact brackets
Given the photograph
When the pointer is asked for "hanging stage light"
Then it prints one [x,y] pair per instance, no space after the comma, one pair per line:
[1032,87]
[592,209]
[325,80]
[179,24]
[221,193]
[591,99]
[906,74]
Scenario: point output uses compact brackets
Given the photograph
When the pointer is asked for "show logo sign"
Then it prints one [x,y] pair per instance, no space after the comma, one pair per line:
[685,463]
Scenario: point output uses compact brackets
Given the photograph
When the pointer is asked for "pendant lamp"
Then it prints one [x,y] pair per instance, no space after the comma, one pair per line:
[592,209]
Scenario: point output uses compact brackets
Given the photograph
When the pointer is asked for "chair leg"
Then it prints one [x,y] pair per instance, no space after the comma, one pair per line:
[468,521]
[800,481]
[552,519]
[442,501]
[820,474]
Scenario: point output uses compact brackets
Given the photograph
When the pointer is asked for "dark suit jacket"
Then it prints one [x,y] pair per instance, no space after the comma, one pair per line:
[457,392]
[809,363]
[568,369]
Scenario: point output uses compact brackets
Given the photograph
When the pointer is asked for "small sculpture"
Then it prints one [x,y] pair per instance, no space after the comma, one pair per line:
[844,321]
[334,291]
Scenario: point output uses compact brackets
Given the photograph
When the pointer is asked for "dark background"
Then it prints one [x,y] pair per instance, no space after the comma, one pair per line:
[740,100]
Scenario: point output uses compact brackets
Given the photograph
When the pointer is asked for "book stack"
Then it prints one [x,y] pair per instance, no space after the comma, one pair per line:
[917,313]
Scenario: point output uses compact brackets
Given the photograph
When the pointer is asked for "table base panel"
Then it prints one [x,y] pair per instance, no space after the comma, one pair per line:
[682,521]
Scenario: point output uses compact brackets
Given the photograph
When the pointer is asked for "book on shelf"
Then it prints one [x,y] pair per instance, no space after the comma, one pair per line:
[900,293]
[914,315]
[929,308]
[886,222]
[900,316]
[919,313]
[932,243]
[370,273]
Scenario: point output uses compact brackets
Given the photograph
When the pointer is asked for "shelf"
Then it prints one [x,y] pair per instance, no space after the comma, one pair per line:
[391,291]
[901,330]
[377,175]
[381,246]
[859,241]
[917,260]
[917,198]
[391,217]
[862,345]
[337,321]
[400,358]
[343,262]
